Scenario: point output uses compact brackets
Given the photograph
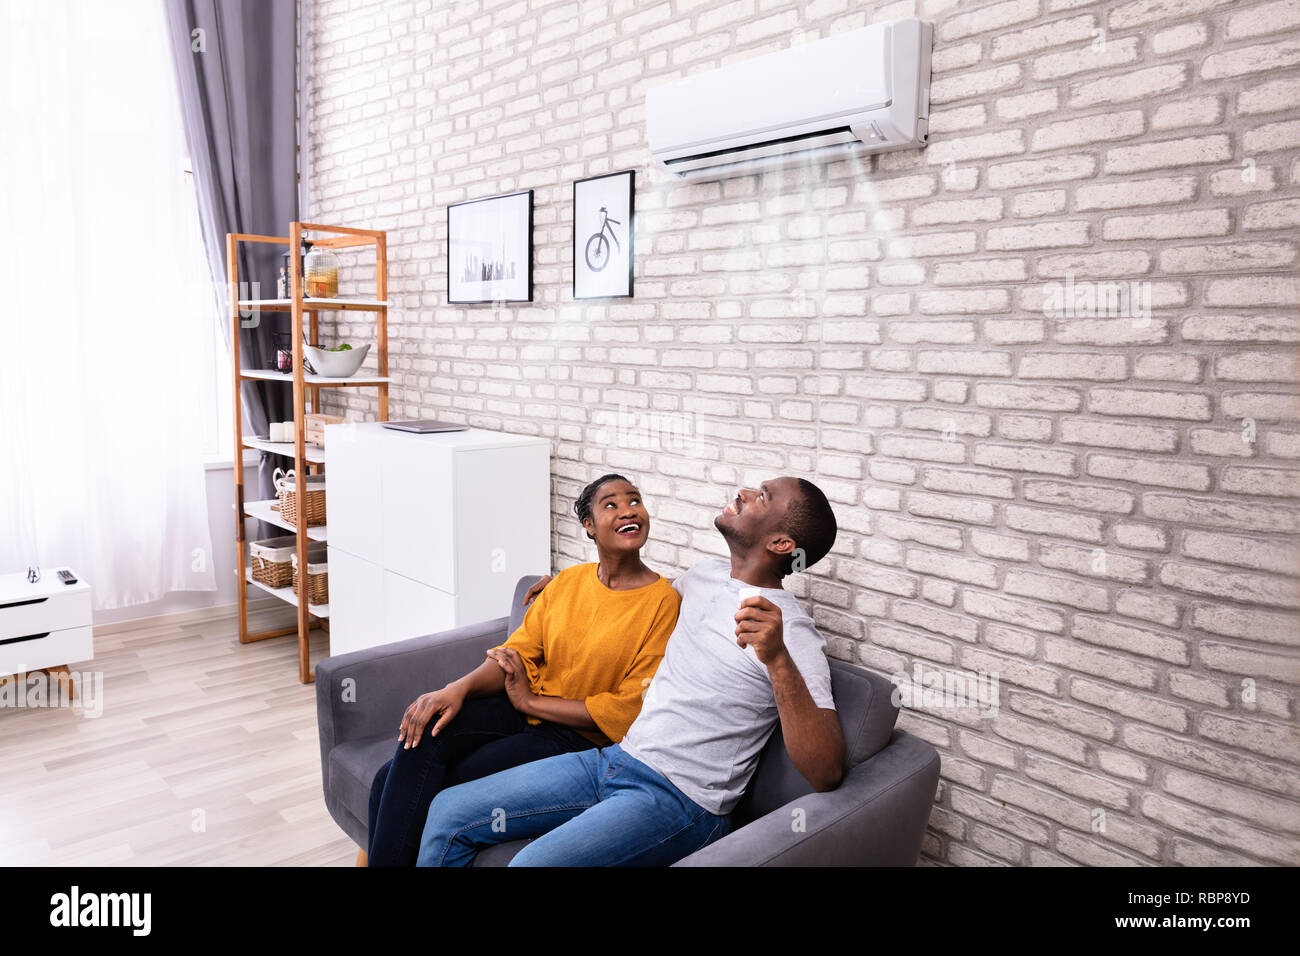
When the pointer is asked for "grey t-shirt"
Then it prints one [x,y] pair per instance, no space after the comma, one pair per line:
[710,708]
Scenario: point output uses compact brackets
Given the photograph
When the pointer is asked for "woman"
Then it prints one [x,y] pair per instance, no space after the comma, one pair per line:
[571,677]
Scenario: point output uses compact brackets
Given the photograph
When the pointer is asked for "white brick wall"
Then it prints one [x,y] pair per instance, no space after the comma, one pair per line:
[1099,507]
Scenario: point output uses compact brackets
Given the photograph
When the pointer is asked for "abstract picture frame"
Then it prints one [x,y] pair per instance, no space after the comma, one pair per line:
[604,217]
[490,249]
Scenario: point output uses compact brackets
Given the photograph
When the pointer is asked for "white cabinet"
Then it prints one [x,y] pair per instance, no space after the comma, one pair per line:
[352,478]
[46,624]
[430,532]
[418,487]
[412,608]
[356,592]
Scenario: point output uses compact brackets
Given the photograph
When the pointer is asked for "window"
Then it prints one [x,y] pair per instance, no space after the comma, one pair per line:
[109,391]
[216,408]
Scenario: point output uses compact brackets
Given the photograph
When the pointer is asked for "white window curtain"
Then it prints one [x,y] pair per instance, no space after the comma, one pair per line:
[106,306]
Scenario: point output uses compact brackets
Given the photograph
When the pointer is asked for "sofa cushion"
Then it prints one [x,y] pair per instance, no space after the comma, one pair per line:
[864,703]
[501,854]
[353,766]
[517,608]
[352,770]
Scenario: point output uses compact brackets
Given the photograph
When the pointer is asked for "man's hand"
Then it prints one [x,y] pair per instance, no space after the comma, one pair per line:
[758,624]
[518,689]
[536,589]
[446,702]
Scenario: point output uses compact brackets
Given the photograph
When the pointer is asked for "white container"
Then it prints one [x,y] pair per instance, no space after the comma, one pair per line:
[277,550]
[314,566]
[286,549]
[288,481]
[336,364]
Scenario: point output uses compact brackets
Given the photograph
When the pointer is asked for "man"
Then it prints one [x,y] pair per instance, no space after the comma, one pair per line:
[732,668]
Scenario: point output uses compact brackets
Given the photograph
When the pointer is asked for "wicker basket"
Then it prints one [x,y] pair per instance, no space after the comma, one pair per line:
[286,484]
[318,580]
[272,561]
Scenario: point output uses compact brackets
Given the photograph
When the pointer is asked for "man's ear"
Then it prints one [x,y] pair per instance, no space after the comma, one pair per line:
[780,544]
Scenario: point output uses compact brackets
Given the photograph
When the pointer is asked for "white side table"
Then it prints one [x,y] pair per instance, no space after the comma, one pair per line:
[43,626]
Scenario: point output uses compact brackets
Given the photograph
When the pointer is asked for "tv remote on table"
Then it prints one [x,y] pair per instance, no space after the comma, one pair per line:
[67,577]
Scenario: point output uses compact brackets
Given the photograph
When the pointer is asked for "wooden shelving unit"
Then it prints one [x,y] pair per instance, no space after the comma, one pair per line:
[307,458]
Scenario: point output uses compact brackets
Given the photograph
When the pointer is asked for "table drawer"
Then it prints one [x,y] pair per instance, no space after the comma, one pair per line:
[67,646]
[56,612]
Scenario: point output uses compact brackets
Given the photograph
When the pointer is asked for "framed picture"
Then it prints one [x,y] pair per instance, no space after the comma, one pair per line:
[490,249]
[602,236]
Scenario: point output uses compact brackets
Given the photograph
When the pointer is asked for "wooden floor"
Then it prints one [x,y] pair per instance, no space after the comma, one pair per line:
[206,754]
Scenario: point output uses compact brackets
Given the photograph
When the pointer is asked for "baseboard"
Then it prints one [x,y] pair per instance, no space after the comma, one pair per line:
[195,616]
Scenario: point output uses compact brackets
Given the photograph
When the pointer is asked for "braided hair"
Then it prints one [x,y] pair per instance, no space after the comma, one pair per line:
[582,507]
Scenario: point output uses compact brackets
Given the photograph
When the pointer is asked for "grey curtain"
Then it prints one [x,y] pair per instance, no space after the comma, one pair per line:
[235,61]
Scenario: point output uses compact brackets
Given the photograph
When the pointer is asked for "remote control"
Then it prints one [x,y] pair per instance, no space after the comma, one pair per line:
[67,577]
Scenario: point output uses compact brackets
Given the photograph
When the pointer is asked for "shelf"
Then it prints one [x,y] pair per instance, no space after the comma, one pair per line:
[314,453]
[325,305]
[299,309]
[287,595]
[271,375]
[261,510]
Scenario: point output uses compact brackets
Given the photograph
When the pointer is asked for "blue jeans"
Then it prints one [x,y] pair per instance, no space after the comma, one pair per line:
[487,736]
[594,808]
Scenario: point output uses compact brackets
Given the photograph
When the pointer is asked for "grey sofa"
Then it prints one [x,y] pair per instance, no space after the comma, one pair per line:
[876,817]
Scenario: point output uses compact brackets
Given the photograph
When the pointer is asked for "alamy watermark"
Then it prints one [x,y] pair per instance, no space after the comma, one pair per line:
[54,689]
[642,430]
[77,908]
[944,689]
[1088,300]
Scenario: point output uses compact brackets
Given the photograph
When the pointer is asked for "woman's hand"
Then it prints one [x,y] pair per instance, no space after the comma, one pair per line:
[446,702]
[536,589]
[518,688]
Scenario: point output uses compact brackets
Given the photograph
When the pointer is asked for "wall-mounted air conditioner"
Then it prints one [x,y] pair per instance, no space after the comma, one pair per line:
[860,92]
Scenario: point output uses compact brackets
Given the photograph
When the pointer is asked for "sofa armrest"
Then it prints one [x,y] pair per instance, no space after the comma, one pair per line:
[875,817]
[364,693]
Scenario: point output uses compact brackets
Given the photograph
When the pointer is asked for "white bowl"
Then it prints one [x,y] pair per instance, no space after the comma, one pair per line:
[336,364]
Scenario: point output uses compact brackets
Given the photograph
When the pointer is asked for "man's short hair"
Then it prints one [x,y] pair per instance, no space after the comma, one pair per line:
[811,522]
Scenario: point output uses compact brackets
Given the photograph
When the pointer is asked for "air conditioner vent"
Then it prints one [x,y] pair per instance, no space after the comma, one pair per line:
[860,92]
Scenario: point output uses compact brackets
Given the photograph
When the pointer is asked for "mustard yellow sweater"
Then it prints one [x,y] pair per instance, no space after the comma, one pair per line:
[581,641]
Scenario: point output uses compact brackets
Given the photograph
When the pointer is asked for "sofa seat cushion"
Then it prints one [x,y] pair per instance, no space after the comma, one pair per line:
[352,769]
[501,854]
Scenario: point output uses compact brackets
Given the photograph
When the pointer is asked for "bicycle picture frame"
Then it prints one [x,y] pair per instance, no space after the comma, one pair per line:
[490,249]
[603,229]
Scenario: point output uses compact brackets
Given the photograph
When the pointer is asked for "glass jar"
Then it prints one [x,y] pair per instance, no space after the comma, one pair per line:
[320,274]
[286,267]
